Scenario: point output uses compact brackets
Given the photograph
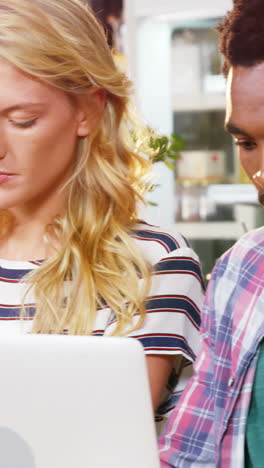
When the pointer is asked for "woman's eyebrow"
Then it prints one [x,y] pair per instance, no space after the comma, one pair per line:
[21,106]
[234,130]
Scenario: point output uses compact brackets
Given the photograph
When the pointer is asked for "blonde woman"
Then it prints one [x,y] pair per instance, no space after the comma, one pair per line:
[74,257]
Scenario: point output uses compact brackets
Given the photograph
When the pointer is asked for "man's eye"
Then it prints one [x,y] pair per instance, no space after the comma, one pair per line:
[27,124]
[246,145]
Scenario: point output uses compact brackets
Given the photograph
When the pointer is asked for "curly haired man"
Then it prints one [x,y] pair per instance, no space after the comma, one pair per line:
[219,419]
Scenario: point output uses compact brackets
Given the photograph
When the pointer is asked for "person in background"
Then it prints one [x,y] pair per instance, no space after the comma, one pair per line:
[109,13]
[219,420]
[74,256]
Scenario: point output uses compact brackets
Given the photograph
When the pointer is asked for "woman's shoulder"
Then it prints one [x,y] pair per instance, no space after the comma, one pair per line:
[157,242]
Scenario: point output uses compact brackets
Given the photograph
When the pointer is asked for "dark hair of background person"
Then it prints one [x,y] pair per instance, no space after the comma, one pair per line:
[104,10]
[241,34]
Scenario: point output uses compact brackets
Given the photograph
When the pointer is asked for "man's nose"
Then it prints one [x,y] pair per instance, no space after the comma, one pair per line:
[258,177]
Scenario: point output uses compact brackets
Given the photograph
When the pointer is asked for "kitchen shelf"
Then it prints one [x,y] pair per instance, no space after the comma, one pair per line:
[198,102]
[224,230]
[168,10]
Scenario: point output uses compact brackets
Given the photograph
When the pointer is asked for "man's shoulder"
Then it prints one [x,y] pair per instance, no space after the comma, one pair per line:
[256,236]
[247,254]
[252,241]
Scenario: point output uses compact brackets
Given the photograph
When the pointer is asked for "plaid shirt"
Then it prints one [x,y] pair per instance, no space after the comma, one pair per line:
[208,427]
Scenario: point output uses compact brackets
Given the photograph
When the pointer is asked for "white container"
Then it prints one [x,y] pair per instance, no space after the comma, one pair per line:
[193,204]
[201,167]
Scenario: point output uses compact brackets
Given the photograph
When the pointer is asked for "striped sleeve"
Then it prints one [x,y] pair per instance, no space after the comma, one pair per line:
[173,306]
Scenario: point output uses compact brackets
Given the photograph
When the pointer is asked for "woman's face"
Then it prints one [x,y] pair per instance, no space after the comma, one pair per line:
[39,131]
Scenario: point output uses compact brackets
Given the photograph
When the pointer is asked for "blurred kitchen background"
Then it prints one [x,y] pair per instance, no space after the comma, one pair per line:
[171,54]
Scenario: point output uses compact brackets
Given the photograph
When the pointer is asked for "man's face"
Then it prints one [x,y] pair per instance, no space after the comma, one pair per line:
[245,120]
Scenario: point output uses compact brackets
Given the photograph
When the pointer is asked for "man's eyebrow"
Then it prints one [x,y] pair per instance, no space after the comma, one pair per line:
[234,130]
[21,106]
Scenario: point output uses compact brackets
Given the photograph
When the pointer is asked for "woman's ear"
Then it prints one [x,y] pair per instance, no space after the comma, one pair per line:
[91,105]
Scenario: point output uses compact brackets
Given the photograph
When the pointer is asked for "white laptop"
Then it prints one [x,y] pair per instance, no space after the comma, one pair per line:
[75,402]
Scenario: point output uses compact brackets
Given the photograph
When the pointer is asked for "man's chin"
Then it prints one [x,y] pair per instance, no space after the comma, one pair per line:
[261,198]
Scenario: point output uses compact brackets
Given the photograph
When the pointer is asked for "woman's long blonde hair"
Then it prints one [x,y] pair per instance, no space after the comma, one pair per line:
[97,264]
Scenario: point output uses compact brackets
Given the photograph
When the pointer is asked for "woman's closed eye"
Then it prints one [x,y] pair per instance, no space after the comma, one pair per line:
[23,123]
[247,145]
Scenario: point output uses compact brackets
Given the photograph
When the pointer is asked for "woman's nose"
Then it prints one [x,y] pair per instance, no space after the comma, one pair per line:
[2,143]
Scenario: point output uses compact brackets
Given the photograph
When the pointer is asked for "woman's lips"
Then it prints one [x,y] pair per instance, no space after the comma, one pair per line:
[4,177]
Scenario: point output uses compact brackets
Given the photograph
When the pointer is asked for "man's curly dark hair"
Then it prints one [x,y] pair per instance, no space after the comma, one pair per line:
[241,34]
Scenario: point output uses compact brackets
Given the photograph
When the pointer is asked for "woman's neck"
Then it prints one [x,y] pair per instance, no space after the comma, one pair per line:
[23,238]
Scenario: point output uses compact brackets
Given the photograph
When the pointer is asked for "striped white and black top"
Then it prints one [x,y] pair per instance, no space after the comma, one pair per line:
[173,306]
